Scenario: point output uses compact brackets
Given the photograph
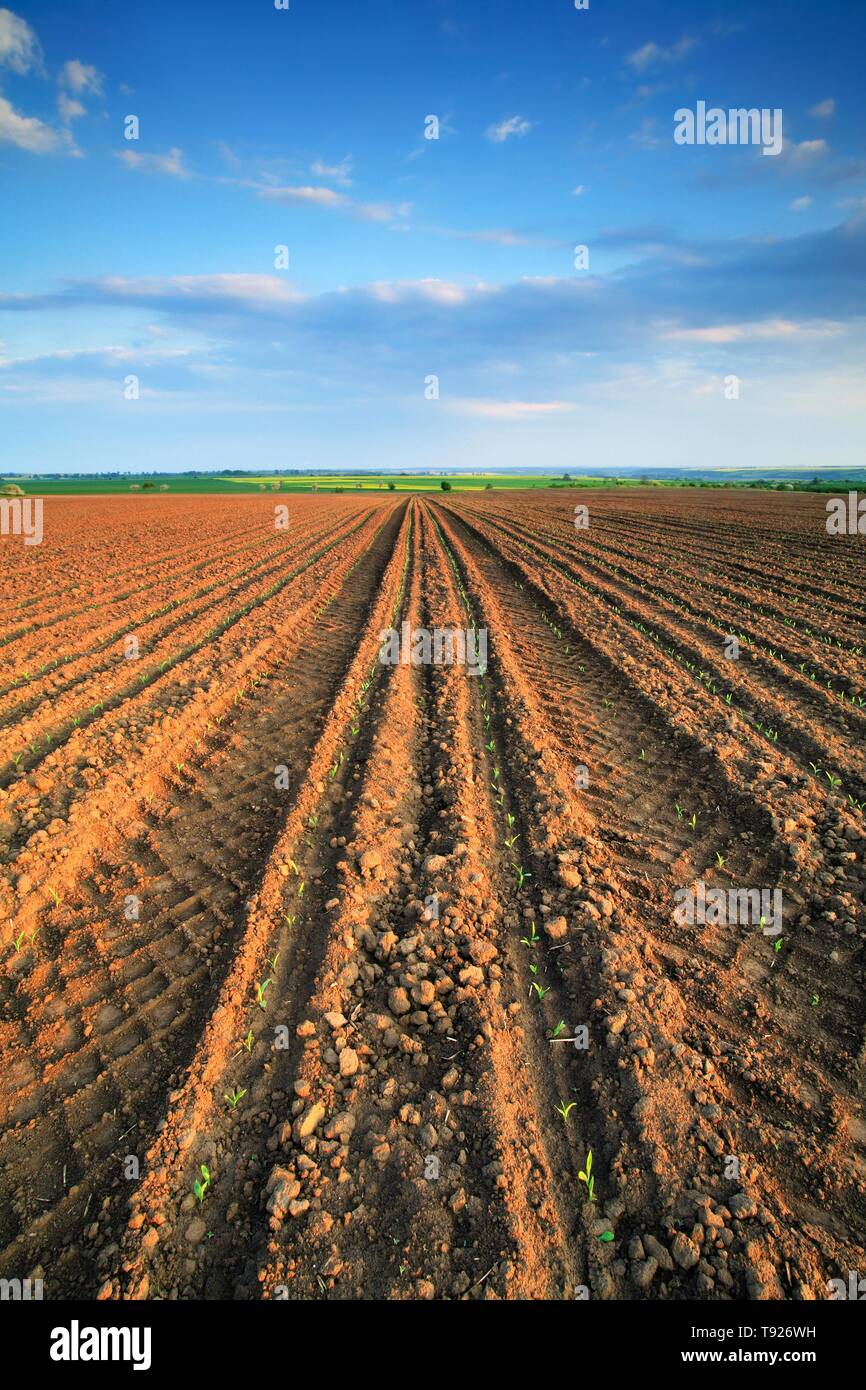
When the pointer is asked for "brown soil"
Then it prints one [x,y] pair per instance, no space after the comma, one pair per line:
[385,954]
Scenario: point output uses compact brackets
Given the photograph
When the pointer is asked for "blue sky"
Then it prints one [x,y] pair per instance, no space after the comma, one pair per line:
[411,258]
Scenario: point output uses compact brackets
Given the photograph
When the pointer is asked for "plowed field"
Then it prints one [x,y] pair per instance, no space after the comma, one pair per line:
[377,955]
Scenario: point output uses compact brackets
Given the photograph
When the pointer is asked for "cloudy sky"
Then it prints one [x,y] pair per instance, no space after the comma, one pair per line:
[409,258]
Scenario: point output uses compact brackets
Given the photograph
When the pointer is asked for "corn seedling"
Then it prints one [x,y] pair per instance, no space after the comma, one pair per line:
[587,1177]
[557,1030]
[260,993]
[235,1096]
[522,876]
[532,939]
[248,1041]
[201,1185]
[720,860]
[565,1110]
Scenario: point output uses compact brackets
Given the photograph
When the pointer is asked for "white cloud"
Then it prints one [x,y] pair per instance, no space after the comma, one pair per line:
[80,77]
[171,163]
[337,173]
[380,212]
[443,292]
[579,191]
[316,196]
[27,132]
[808,149]
[515,125]
[252,291]
[801,204]
[69,108]
[510,410]
[653,55]
[762,331]
[803,156]
[19,46]
[824,110]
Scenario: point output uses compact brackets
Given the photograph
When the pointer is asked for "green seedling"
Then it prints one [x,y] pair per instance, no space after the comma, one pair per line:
[235,1096]
[260,993]
[565,1110]
[490,746]
[720,860]
[557,1030]
[532,939]
[693,823]
[777,945]
[643,755]
[54,896]
[510,820]
[200,1186]
[540,990]
[248,1041]
[522,876]
[679,810]
[17,940]
[587,1177]
[511,841]
[272,964]
[834,781]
